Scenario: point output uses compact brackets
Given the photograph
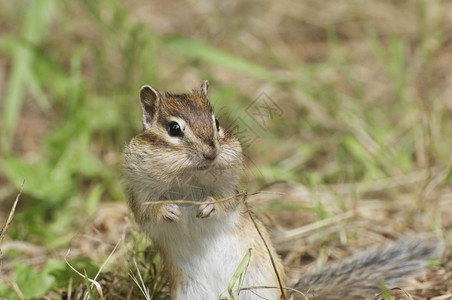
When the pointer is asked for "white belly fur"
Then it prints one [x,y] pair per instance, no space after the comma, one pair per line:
[203,254]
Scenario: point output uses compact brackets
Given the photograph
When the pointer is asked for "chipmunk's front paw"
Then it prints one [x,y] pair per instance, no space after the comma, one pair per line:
[172,213]
[207,209]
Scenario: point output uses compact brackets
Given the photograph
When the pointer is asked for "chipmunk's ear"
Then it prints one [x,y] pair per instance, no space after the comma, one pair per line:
[149,99]
[204,88]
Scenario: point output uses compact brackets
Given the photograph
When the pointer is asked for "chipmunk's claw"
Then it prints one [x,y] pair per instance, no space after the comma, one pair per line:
[207,210]
[172,213]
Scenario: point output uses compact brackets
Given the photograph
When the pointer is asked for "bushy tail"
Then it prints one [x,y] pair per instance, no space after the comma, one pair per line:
[362,275]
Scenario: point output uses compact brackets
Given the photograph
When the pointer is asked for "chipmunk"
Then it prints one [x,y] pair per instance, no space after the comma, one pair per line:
[183,153]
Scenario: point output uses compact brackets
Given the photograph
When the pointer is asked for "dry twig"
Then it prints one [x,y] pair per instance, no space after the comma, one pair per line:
[8,221]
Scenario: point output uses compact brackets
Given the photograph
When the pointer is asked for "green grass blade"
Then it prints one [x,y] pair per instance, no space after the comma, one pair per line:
[35,27]
[237,277]
[215,56]
[88,287]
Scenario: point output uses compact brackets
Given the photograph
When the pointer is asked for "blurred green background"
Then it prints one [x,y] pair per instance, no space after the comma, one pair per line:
[361,91]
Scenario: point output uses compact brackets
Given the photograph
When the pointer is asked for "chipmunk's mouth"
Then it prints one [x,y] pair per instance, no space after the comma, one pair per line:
[203,168]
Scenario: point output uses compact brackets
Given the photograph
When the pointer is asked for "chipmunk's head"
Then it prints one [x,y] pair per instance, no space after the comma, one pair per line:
[182,136]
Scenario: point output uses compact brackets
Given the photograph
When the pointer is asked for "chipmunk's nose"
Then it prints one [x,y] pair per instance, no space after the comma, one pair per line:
[211,153]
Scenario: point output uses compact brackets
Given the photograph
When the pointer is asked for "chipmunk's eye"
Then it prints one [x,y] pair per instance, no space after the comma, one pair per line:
[174,129]
[217,124]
